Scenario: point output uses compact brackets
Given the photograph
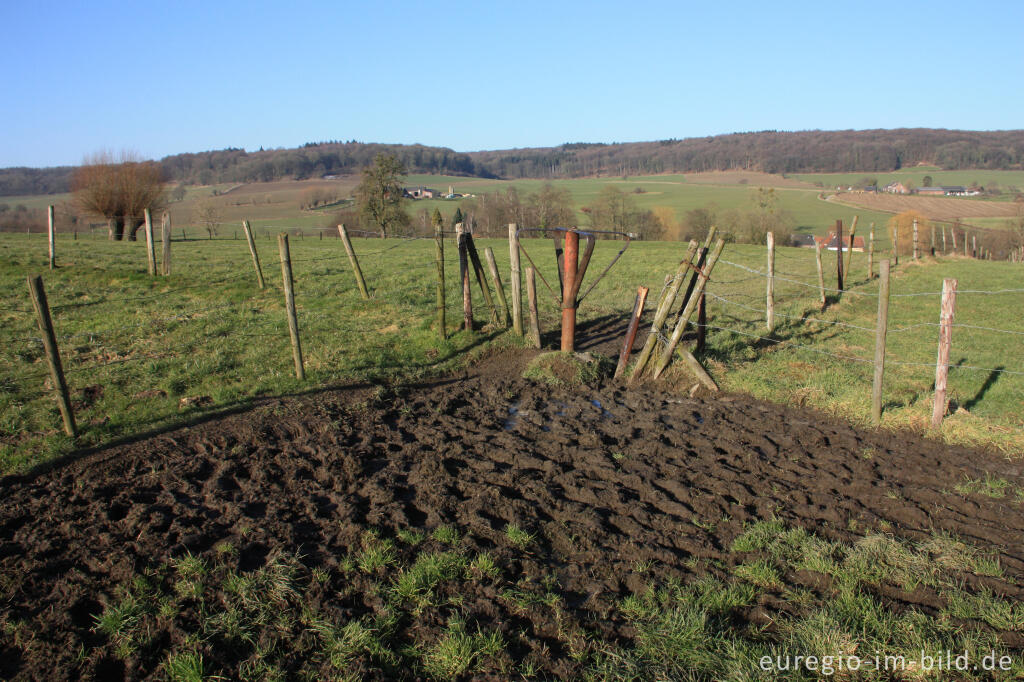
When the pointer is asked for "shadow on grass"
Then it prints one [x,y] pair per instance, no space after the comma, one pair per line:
[199,416]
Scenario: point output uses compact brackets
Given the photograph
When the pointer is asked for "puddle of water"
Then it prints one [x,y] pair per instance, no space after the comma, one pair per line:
[698,417]
[605,414]
[513,417]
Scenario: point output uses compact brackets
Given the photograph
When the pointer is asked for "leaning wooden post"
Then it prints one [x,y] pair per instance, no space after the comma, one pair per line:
[439,263]
[150,243]
[881,329]
[662,311]
[517,283]
[839,255]
[917,253]
[871,252]
[702,324]
[499,288]
[467,294]
[945,342]
[849,252]
[360,282]
[255,255]
[634,324]
[289,300]
[769,312]
[478,270]
[52,236]
[531,301]
[165,238]
[684,316]
[821,273]
[35,287]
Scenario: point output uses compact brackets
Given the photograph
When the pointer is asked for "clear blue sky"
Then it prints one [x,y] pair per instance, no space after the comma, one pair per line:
[160,78]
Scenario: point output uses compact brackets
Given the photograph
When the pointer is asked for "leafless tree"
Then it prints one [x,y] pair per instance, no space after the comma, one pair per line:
[119,190]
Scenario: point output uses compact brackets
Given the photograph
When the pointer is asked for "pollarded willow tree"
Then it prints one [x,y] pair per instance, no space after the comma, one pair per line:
[379,194]
[119,190]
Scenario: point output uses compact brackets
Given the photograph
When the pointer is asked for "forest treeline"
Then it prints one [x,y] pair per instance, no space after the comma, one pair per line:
[769,151]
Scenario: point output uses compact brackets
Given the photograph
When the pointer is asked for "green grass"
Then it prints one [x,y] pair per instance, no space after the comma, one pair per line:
[135,349]
[1004,178]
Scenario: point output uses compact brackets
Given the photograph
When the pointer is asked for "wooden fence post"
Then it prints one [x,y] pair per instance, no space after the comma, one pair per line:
[478,270]
[821,273]
[150,243]
[769,312]
[945,343]
[51,236]
[895,244]
[531,300]
[662,311]
[38,293]
[881,329]
[467,294]
[289,300]
[255,255]
[165,238]
[499,288]
[952,232]
[570,261]
[634,324]
[691,304]
[917,253]
[702,324]
[943,240]
[871,251]
[517,284]
[839,255]
[974,249]
[439,261]
[360,282]
[933,240]
[849,252]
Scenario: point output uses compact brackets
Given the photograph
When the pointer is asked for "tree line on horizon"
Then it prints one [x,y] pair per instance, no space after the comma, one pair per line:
[768,151]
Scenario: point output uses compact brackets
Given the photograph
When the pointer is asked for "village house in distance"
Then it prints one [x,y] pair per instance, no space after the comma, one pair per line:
[415,193]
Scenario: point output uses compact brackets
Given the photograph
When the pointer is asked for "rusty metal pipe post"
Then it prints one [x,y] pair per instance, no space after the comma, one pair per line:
[570,261]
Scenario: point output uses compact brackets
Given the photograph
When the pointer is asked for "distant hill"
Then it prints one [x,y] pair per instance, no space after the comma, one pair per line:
[768,151]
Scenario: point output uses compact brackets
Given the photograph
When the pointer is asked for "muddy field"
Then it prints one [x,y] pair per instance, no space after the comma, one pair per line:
[937,208]
[617,487]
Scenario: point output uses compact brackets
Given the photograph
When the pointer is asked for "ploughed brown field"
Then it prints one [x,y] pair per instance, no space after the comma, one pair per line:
[936,208]
[606,478]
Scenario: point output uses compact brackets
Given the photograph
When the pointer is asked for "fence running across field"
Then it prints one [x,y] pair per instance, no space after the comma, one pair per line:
[133,352]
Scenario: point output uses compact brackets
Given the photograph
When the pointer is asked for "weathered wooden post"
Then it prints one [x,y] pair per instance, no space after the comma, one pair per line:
[289,300]
[662,311]
[165,239]
[871,251]
[439,263]
[821,273]
[702,324]
[478,270]
[849,252]
[49,338]
[51,236]
[467,294]
[881,329]
[974,248]
[952,232]
[933,240]
[255,255]
[943,240]
[634,324]
[517,285]
[531,300]
[945,343]
[917,253]
[839,255]
[769,313]
[150,243]
[687,312]
[499,288]
[360,282]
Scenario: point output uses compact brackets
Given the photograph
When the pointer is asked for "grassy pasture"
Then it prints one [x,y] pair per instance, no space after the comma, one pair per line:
[134,347]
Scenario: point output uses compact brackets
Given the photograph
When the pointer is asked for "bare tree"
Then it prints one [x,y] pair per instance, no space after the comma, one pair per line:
[119,191]
[379,194]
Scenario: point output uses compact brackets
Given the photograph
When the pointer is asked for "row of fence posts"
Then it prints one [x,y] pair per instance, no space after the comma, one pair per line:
[946,314]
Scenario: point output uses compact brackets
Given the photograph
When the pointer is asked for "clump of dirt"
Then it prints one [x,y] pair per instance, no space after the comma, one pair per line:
[569,370]
[593,493]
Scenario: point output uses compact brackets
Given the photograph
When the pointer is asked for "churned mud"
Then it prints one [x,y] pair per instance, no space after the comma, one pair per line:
[606,478]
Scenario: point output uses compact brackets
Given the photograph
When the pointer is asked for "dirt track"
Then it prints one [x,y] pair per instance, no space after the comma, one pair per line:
[605,477]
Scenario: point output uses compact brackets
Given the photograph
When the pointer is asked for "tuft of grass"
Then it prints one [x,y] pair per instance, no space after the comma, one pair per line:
[411,536]
[484,564]
[990,486]
[446,534]
[417,583]
[458,652]
[518,537]
[375,554]
[186,666]
[760,573]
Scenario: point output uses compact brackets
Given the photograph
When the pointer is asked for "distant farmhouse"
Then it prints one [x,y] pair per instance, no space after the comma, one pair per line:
[952,191]
[831,242]
[896,188]
[420,193]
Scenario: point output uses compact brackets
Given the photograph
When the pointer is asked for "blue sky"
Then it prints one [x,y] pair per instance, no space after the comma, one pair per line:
[160,78]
